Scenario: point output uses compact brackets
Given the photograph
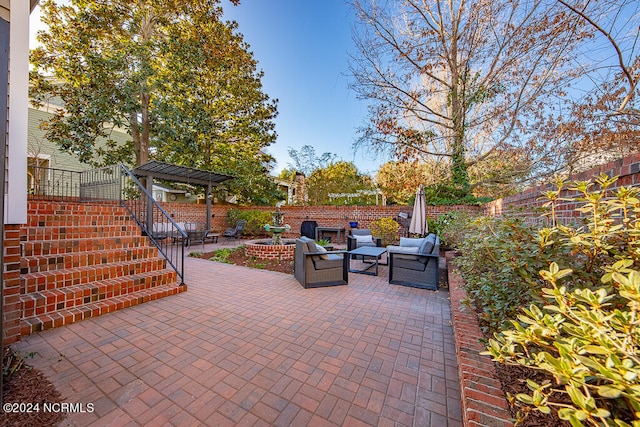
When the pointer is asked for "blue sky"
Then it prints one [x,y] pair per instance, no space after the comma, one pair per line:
[303,48]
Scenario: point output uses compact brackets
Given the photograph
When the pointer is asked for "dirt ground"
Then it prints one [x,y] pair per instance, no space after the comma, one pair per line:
[238,257]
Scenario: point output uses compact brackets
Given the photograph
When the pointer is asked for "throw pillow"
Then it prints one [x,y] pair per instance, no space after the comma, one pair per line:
[322,249]
[427,245]
[366,238]
[403,249]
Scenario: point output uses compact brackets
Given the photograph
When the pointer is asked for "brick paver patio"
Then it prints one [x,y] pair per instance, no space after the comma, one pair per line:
[252,347]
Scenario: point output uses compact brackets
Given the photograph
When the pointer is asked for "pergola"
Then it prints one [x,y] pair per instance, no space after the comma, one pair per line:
[183,174]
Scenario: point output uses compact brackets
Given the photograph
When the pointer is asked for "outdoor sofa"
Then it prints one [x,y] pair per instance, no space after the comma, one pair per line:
[415,262]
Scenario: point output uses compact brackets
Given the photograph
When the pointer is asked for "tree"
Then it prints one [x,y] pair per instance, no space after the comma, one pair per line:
[603,124]
[399,181]
[180,81]
[306,161]
[463,80]
[336,178]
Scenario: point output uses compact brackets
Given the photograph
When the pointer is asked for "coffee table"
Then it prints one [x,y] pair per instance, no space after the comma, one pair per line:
[365,252]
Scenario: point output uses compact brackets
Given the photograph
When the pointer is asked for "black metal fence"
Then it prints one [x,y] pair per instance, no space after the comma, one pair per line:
[53,184]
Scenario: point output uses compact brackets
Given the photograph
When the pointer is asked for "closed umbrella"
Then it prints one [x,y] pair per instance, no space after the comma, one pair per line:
[419,219]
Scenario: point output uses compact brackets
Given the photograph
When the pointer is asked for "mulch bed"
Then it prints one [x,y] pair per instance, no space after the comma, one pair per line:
[513,379]
[238,257]
[27,385]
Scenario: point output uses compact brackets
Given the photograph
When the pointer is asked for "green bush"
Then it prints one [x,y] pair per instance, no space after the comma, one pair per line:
[222,255]
[582,322]
[499,262]
[589,341]
[451,227]
[256,220]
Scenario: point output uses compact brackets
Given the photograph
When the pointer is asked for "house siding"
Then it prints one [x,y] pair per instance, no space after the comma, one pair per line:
[40,146]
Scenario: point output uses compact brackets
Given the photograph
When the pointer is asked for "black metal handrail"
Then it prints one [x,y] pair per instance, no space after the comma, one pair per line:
[153,220]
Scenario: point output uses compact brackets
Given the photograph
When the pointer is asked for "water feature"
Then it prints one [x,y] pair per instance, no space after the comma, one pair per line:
[278,227]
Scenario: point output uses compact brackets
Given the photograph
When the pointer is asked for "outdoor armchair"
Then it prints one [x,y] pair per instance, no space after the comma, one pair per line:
[415,262]
[360,237]
[315,267]
[196,233]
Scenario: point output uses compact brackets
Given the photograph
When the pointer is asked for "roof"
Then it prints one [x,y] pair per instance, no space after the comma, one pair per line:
[177,173]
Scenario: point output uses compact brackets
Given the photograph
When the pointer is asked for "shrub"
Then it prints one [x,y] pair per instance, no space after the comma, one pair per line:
[386,229]
[451,227]
[498,258]
[222,255]
[589,341]
[256,220]
[583,326]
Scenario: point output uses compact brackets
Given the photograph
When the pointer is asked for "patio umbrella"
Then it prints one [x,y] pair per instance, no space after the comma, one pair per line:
[419,219]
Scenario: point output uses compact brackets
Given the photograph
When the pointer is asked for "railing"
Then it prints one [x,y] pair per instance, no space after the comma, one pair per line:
[115,183]
[154,221]
[53,184]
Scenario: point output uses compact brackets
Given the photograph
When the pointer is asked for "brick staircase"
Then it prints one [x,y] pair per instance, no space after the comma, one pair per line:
[81,260]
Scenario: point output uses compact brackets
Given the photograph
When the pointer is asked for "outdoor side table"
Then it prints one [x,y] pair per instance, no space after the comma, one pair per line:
[372,252]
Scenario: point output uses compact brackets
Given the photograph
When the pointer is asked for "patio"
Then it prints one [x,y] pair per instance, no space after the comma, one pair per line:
[253,347]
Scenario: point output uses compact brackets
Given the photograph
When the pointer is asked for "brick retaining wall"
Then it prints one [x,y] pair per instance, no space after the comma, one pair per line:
[278,252]
[483,401]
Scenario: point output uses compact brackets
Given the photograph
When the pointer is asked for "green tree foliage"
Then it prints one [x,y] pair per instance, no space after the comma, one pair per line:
[170,73]
[337,178]
[256,220]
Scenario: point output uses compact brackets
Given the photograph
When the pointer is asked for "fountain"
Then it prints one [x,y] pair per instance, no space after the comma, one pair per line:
[277,228]
[276,248]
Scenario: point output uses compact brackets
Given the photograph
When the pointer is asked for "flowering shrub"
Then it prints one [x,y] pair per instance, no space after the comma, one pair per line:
[451,227]
[386,229]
